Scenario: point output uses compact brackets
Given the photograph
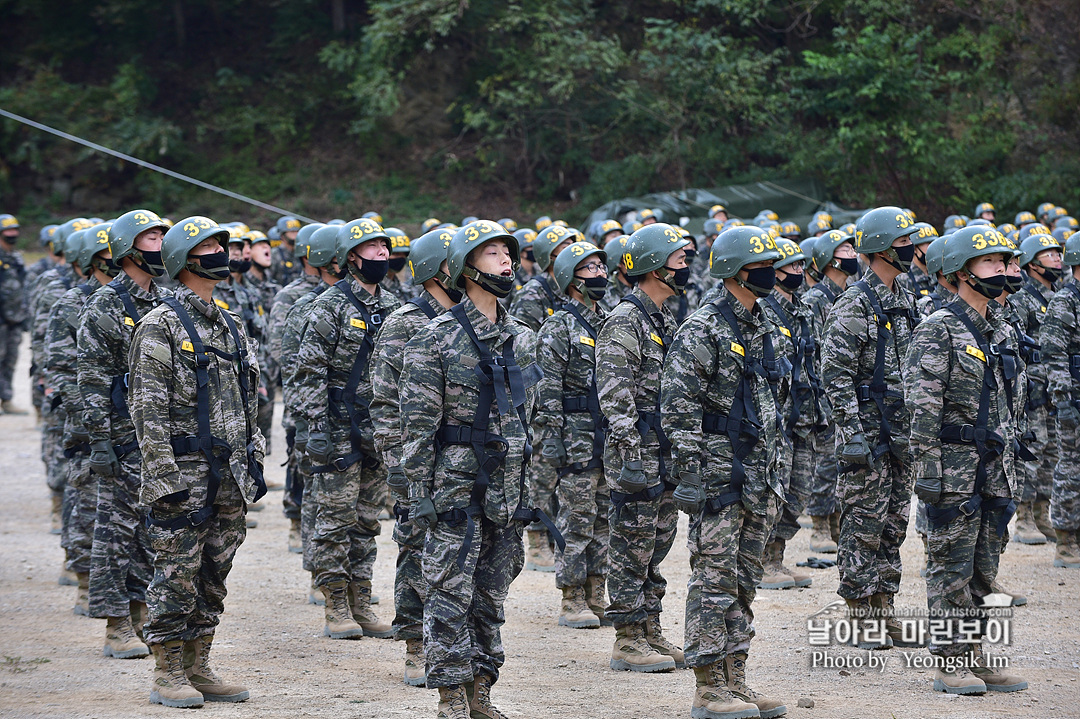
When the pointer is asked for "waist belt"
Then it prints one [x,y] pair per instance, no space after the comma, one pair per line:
[587,404]
[877,391]
[621,499]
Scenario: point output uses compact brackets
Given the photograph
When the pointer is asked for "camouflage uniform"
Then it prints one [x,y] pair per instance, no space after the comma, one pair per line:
[187,594]
[244,300]
[708,365]
[266,291]
[410,589]
[33,272]
[52,449]
[122,558]
[1060,343]
[1031,305]
[933,301]
[565,351]
[404,290]
[279,309]
[61,374]
[916,281]
[615,292]
[468,564]
[13,316]
[943,385]
[347,502]
[874,500]
[284,268]
[629,357]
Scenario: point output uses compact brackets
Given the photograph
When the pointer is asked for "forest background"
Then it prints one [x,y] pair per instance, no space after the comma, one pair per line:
[419,108]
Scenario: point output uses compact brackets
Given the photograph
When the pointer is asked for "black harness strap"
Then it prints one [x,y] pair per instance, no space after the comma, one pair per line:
[552,297]
[118,390]
[988,445]
[802,360]
[425,306]
[586,403]
[205,442]
[1034,320]
[650,421]
[1074,360]
[825,290]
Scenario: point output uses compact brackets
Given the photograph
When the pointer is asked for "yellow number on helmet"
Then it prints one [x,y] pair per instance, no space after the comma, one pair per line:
[191,229]
[472,233]
[756,246]
[578,250]
[672,235]
[103,237]
[628,261]
[978,241]
[903,220]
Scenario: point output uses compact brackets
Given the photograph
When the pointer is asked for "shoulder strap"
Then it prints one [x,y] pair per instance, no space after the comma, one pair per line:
[825,290]
[86,289]
[425,306]
[552,298]
[569,307]
[129,304]
[636,302]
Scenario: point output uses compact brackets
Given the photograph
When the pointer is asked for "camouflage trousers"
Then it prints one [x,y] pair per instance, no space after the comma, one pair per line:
[265,417]
[294,484]
[346,507]
[307,514]
[10,338]
[80,511]
[822,499]
[641,535]
[463,613]
[725,568]
[52,449]
[583,523]
[1065,497]
[798,490]
[121,560]
[542,482]
[1039,474]
[922,525]
[187,594]
[410,587]
[962,564]
[875,506]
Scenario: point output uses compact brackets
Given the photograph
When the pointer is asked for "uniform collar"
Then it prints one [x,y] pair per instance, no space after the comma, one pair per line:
[207,310]
[486,329]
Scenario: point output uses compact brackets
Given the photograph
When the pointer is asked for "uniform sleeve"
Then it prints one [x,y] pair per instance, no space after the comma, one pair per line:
[618,352]
[39,319]
[843,342]
[423,384]
[61,366]
[385,376]
[553,356]
[1058,326]
[152,374]
[925,380]
[528,306]
[684,380]
[278,312]
[99,342]
[317,343]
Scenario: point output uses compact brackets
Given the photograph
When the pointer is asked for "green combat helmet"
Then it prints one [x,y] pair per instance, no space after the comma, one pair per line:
[356,233]
[302,236]
[525,237]
[287,223]
[614,250]
[1071,256]
[789,253]
[954,221]
[926,234]
[426,255]
[740,246]
[1033,245]
[935,252]
[825,248]
[93,241]
[970,242]
[649,248]
[1042,212]
[429,224]
[399,241]
[983,207]
[321,246]
[1024,217]
[128,227]
[185,236]
[568,260]
[46,235]
[548,239]
[8,222]
[467,239]
[65,229]
[817,225]
[1036,228]
[880,227]
[73,245]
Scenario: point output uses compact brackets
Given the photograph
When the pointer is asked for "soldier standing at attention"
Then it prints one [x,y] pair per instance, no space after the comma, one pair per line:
[285,268]
[572,432]
[194,379]
[642,520]
[720,386]
[865,340]
[13,315]
[961,383]
[465,453]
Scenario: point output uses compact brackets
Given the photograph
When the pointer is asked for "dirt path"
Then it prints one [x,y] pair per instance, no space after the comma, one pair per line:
[51,663]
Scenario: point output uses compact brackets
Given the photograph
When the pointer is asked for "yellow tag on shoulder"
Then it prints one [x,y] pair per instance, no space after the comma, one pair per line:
[738,349]
[550,312]
[976,352]
[587,341]
[355,322]
[1043,309]
[924,292]
[888,325]
[221,303]
[129,322]
[784,331]
[186,346]
[656,338]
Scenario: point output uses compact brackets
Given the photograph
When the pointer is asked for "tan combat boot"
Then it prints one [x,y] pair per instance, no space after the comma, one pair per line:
[632,653]
[1041,513]
[539,557]
[820,537]
[994,679]
[654,635]
[1018,600]
[202,677]
[315,595]
[139,614]
[415,672]
[1068,554]
[365,616]
[56,516]
[82,598]
[1025,530]
[480,705]
[713,700]
[882,604]
[171,687]
[12,408]
[834,527]
[120,640]
[594,597]
[296,546]
[339,620]
[800,577]
[735,669]
[453,703]
[575,613]
[67,578]
[860,612]
[773,575]
[957,680]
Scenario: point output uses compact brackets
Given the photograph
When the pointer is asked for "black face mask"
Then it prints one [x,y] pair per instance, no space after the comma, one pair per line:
[106,266]
[1013,284]
[595,287]
[455,294]
[1050,274]
[528,255]
[397,264]
[630,279]
[679,278]
[848,265]
[240,266]
[989,287]
[371,271]
[905,255]
[498,285]
[760,281]
[149,261]
[791,282]
[214,266]
[690,255]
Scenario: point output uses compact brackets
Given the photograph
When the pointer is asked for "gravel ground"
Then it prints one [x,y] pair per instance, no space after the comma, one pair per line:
[51,663]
